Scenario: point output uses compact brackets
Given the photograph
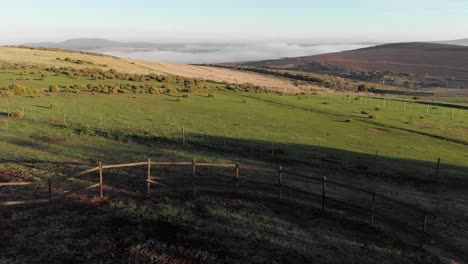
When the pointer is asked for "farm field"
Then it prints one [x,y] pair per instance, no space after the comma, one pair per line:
[64,121]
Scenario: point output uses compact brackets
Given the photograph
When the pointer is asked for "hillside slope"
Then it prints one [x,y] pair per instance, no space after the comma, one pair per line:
[461,42]
[448,62]
[417,58]
[43,57]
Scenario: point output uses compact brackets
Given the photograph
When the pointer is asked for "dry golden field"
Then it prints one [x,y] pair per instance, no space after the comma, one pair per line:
[49,57]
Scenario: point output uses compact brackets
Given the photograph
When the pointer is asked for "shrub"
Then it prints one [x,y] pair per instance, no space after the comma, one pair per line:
[211,95]
[362,88]
[17,113]
[54,89]
[244,101]
[7,94]
[371,117]
[185,96]
[18,89]
[364,113]
[377,109]
[348,120]
[325,103]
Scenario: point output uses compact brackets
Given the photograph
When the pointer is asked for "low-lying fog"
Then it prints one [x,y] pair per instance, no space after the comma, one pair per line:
[211,53]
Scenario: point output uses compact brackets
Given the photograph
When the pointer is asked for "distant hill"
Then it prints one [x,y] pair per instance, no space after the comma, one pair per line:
[461,42]
[95,44]
[417,58]
[449,62]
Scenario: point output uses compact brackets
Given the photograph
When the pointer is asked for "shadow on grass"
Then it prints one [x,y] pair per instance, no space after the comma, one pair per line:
[363,170]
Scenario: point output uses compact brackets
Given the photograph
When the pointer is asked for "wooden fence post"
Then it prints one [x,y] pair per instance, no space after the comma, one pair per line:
[194,168]
[49,185]
[324,183]
[101,181]
[64,119]
[8,109]
[100,122]
[237,176]
[280,181]
[437,170]
[148,178]
[373,208]
[183,135]
[423,229]
[375,161]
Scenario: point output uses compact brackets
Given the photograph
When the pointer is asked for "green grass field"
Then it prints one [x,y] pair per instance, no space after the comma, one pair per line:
[262,119]
[324,134]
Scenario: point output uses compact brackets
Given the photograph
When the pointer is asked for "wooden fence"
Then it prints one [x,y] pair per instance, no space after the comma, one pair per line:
[371,212]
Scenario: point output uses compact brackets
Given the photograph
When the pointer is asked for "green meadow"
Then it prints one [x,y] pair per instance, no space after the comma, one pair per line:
[388,144]
[396,129]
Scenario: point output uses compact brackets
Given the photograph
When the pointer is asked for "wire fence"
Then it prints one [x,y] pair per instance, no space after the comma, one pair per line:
[415,224]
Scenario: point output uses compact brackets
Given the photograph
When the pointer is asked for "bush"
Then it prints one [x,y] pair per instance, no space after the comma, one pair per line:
[7,94]
[54,89]
[211,95]
[18,89]
[377,109]
[17,113]
[348,120]
[371,117]
[364,113]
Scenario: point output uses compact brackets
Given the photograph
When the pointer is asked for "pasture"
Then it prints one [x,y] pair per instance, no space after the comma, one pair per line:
[387,144]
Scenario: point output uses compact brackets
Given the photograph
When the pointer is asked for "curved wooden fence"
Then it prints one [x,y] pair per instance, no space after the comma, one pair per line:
[150,179]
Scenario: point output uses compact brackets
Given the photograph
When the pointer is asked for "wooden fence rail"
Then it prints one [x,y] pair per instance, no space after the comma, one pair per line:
[3,184]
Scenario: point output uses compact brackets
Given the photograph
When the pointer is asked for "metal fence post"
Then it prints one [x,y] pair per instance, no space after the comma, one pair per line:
[194,167]
[101,181]
[373,208]
[49,185]
[148,178]
[324,183]
[237,176]
[423,229]
[280,181]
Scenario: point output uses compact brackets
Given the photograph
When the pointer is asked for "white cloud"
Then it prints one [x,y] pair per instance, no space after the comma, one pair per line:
[234,53]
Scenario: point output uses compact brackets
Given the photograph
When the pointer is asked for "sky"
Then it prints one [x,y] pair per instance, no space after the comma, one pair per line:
[310,21]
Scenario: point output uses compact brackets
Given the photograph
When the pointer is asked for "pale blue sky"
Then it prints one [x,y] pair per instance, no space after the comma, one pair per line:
[234,20]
